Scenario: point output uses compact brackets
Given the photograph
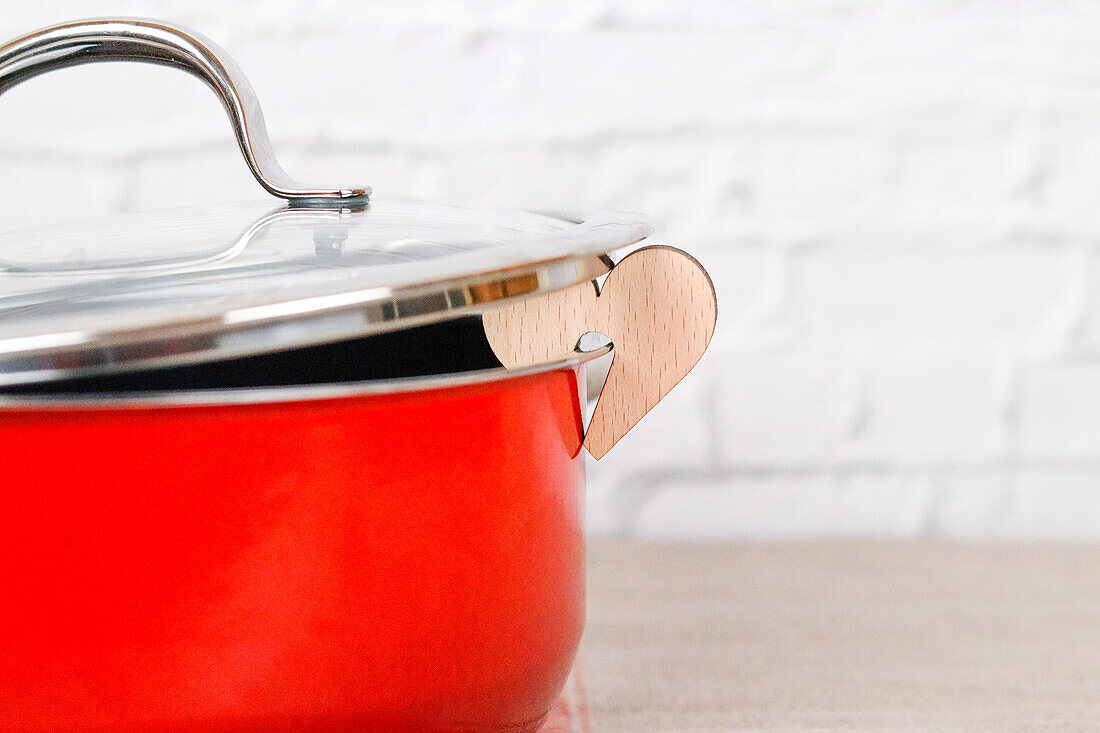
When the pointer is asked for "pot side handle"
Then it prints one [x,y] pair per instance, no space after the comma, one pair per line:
[657,306]
[156,42]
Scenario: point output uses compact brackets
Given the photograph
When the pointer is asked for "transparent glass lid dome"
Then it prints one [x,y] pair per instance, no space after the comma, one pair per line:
[208,284]
[215,282]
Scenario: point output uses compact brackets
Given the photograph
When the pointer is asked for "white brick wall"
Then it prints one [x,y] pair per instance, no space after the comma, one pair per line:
[897,201]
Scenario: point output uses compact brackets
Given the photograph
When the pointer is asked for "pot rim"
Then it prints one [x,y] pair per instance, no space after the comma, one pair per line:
[296,393]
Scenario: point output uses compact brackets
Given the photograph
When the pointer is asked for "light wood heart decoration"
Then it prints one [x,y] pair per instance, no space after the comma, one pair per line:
[658,308]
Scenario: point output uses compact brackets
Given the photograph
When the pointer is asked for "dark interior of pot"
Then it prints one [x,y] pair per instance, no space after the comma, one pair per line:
[457,345]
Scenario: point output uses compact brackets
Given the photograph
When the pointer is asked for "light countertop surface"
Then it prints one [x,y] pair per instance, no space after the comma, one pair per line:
[867,636]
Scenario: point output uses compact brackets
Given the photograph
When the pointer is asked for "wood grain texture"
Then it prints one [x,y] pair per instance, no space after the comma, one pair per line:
[658,308]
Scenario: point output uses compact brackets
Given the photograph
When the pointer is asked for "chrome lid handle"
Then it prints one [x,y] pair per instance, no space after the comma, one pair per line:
[156,42]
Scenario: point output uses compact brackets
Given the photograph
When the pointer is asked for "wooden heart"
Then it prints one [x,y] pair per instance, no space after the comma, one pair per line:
[658,308]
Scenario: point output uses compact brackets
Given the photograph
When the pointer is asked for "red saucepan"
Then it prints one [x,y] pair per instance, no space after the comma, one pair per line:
[263,469]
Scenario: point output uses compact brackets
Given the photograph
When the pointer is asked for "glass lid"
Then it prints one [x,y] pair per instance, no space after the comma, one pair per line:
[215,282]
[212,283]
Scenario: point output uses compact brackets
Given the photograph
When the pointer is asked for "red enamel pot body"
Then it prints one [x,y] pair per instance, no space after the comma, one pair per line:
[368,559]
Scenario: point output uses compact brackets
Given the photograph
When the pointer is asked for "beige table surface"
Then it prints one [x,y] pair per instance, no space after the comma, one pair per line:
[869,636]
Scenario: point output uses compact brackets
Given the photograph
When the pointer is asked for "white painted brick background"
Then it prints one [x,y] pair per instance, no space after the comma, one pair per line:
[899,203]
